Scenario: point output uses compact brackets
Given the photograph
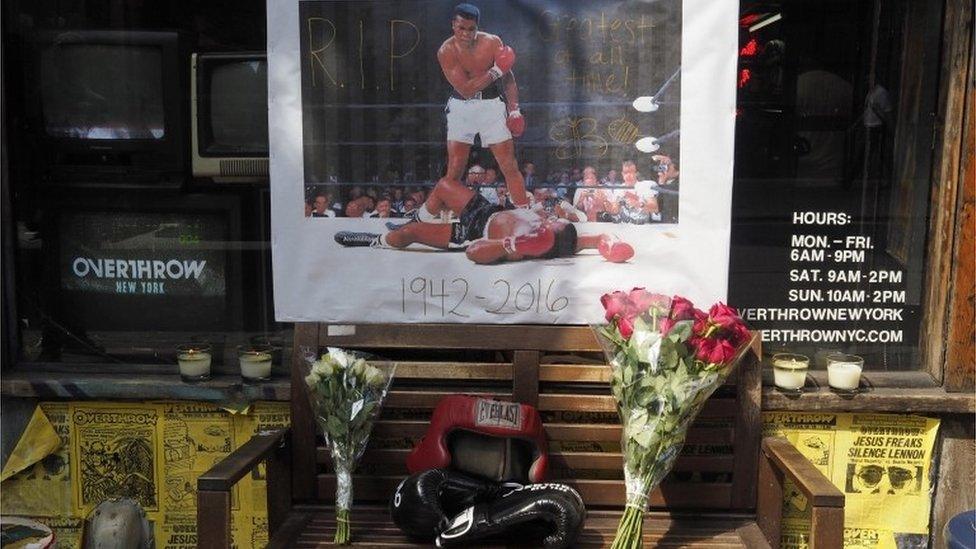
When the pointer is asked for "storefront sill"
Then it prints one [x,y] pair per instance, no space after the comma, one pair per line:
[929,400]
[224,389]
[228,389]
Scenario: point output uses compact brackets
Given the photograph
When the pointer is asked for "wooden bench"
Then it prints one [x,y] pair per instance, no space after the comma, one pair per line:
[725,491]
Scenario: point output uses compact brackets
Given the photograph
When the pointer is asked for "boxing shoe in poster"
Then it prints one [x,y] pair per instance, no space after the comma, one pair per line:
[615,250]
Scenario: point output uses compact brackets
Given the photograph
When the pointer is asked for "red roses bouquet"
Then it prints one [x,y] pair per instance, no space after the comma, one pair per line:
[667,358]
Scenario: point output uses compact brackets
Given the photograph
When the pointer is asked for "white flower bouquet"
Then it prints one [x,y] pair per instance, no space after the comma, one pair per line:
[346,394]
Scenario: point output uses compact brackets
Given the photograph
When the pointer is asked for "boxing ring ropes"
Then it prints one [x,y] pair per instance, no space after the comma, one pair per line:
[642,104]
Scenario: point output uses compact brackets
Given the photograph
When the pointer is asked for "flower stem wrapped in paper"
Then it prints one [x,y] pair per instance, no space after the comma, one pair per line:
[346,394]
[667,358]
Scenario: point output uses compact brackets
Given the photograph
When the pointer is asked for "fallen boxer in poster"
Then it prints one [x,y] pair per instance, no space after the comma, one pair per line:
[490,233]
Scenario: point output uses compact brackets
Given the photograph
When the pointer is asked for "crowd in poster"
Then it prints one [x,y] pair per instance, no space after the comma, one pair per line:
[497,162]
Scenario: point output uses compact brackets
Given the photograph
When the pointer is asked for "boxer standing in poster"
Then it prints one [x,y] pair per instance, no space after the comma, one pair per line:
[473,62]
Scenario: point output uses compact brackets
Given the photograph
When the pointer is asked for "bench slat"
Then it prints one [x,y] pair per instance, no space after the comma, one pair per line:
[549,373]
[393,461]
[585,373]
[427,400]
[594,432]
[611,433]
[674,495]
[580,373]
[454,336]
[548,402]
[372,526]
[449,370]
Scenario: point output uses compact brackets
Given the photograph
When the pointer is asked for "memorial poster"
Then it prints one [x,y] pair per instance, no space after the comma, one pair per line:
[439,161]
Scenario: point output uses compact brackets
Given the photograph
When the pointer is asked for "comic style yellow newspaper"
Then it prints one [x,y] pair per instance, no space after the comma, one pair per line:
[264,416]
[868,538]
[51,476]
[116,447]
[884,469]
[855,452]
[814,436]
[116,451]
[196,435]
[795,534]
[67,531]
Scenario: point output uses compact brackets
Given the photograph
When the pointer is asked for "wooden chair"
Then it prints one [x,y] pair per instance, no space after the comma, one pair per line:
[728,493]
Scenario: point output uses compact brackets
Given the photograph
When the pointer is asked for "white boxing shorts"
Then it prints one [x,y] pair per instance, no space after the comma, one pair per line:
[468,118]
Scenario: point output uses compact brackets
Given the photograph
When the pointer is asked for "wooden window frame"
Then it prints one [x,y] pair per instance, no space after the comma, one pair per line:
[946,345]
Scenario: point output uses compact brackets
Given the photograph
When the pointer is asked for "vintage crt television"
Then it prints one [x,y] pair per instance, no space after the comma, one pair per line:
[151,263]
[229,116]
[110,107]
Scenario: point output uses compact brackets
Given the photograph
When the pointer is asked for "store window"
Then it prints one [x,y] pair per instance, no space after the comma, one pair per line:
[139,192]
[834,139]
[138,180]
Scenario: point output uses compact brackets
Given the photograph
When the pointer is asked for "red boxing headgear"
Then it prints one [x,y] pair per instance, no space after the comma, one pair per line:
[458,414]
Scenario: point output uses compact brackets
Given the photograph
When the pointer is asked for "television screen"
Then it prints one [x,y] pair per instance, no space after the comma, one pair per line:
[133,271]
[238,106]
[102,91]
[109,109]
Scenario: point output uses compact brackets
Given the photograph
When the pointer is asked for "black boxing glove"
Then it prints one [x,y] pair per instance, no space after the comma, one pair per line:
[423,503]
[551,514]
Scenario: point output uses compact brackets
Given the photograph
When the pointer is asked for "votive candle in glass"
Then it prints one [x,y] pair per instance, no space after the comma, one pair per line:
[194,360]
[255,362]
[844,372]
[790,371]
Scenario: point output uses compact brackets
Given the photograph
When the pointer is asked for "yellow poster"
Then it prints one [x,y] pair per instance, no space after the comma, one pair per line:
[883,470]
[814,436]
[152,452]
[868,538]
[116,447]
[880,461]
[795,534]
[19,495]
[38,440]
[240,532]
[264,416]
[67,531]
[196,435]
[180,532]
